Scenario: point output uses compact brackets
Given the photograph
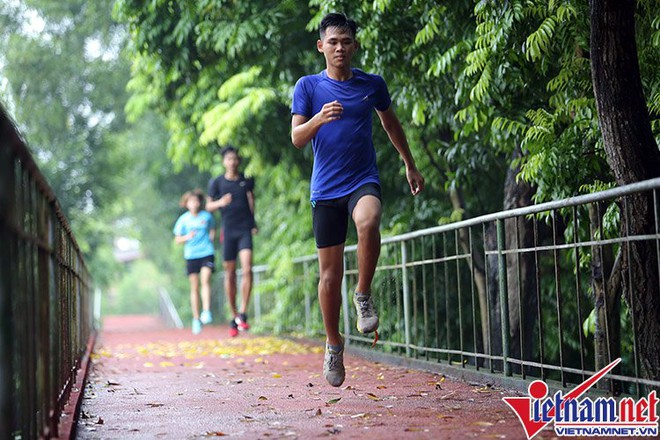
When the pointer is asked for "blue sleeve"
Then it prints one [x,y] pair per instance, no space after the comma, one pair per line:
[301,103]
[249,184]
[179,227]
[382,98]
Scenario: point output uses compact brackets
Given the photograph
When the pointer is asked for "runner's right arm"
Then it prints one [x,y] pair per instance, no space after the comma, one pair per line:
[303,129]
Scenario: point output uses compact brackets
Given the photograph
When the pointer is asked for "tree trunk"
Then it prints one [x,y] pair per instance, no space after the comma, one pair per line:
[607,300]
[521,279]
[521,268]
[633,156]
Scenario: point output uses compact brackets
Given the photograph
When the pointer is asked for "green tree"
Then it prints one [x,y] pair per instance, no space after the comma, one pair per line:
[497,98]
[633,155]
[63,74]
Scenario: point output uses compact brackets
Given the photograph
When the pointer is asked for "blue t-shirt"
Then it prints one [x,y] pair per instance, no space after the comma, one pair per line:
[344,154]
[200,245]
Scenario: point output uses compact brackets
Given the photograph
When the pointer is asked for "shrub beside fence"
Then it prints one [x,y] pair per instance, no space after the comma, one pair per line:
[46,310]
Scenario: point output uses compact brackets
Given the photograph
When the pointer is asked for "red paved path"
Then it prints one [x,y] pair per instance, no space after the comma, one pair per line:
[148,382]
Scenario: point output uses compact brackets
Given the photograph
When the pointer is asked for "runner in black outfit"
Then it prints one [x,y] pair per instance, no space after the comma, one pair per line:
[233,194]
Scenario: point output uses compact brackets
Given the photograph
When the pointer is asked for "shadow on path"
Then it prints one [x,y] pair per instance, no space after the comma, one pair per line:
[147,381]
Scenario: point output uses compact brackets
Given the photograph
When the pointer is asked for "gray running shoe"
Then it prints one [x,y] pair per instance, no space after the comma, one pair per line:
[333,365]
[367,318]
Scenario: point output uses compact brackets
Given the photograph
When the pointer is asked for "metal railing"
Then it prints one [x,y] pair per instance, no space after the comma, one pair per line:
[167,311]
[528,293]
[46,313]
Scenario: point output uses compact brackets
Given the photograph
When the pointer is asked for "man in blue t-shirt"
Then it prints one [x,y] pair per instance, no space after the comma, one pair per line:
[333,109]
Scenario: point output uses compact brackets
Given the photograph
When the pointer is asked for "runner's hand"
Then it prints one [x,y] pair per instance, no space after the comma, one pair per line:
[331,111]
[225,200]
[415,180]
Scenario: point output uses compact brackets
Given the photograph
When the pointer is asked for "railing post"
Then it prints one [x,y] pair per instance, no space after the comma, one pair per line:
[406,296]
[344,304]
[504,298]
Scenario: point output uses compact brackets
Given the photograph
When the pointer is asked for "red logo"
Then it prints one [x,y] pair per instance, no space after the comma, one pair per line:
[573,417]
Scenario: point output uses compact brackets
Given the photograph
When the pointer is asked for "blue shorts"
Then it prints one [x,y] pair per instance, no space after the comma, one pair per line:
[235,241]
[195,265]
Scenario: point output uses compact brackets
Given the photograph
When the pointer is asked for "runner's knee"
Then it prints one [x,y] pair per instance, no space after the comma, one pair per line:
[330,280]
[367,224]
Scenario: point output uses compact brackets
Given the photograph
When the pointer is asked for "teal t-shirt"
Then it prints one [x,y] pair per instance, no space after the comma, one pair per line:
[200,245]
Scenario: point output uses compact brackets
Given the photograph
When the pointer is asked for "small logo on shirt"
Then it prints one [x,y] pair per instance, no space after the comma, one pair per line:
[242,183]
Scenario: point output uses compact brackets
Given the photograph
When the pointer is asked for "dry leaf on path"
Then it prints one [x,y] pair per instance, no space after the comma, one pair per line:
[214,434]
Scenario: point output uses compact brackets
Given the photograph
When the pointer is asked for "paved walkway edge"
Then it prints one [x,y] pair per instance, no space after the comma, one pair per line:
[66,428]
[465,374]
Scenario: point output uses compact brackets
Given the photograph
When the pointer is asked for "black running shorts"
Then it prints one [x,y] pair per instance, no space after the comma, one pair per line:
[195,265]
[235,241]
[330,217]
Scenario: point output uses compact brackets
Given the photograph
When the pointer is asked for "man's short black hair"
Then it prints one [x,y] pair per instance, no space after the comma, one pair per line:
[228,149]
[339,21]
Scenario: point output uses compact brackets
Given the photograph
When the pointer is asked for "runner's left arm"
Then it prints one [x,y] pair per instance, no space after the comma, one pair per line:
[251,204]
[394,130]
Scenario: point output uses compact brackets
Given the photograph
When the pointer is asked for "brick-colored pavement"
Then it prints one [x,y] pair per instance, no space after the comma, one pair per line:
[150,382]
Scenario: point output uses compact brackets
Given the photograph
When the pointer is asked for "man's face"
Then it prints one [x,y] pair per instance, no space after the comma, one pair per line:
[338,46]
[231,161]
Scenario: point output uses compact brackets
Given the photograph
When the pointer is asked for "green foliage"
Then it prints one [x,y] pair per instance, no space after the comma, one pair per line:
[121,132]
[64,74]
[136,293]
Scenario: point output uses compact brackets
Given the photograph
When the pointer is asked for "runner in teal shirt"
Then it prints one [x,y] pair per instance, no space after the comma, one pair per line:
[195,229]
